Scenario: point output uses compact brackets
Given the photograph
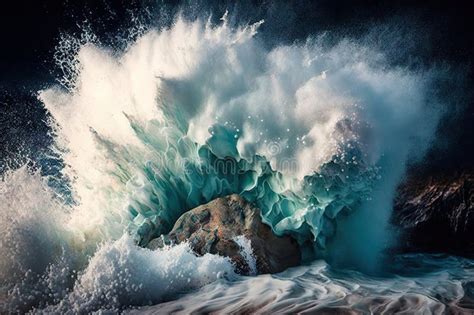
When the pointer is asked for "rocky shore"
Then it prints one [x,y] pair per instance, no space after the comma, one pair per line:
[436,214]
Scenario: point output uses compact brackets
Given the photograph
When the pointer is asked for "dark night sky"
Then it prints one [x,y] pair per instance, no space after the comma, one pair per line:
[29,31]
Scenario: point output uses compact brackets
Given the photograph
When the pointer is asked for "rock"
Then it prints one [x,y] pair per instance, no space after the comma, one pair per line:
[213,228]
[436,214]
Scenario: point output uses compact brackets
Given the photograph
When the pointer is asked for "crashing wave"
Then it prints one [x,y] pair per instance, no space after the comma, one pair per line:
[316,135]
[197,111]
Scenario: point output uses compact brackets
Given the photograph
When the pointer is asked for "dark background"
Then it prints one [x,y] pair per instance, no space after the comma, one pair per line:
[30,30]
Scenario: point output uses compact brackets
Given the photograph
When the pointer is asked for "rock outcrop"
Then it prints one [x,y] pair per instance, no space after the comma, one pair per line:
[214,228]
[436,214]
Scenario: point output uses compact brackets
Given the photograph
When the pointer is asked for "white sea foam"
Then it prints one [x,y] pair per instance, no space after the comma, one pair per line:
[247,253]
[130,121]
[130,125]
[45,262]
[121,274]
[444,287]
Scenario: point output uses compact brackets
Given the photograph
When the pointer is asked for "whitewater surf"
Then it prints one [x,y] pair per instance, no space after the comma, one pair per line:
[317,134]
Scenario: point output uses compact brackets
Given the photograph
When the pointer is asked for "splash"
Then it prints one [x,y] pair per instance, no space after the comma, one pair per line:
[246,251]
[316,135]
[122,274]
[196,111]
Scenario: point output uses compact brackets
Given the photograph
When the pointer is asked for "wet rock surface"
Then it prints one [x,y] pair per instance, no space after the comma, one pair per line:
[214,227]
[436,214]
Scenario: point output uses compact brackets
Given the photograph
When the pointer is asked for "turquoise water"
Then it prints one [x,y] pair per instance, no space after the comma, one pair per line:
[317,135]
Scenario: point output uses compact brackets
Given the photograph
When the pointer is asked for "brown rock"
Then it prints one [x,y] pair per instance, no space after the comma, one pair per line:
[212,228]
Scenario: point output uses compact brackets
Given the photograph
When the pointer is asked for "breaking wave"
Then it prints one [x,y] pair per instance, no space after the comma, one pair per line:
[317,135]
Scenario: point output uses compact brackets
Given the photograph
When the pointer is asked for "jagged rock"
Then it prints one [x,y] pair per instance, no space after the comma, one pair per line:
[436,214]
[213,227]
